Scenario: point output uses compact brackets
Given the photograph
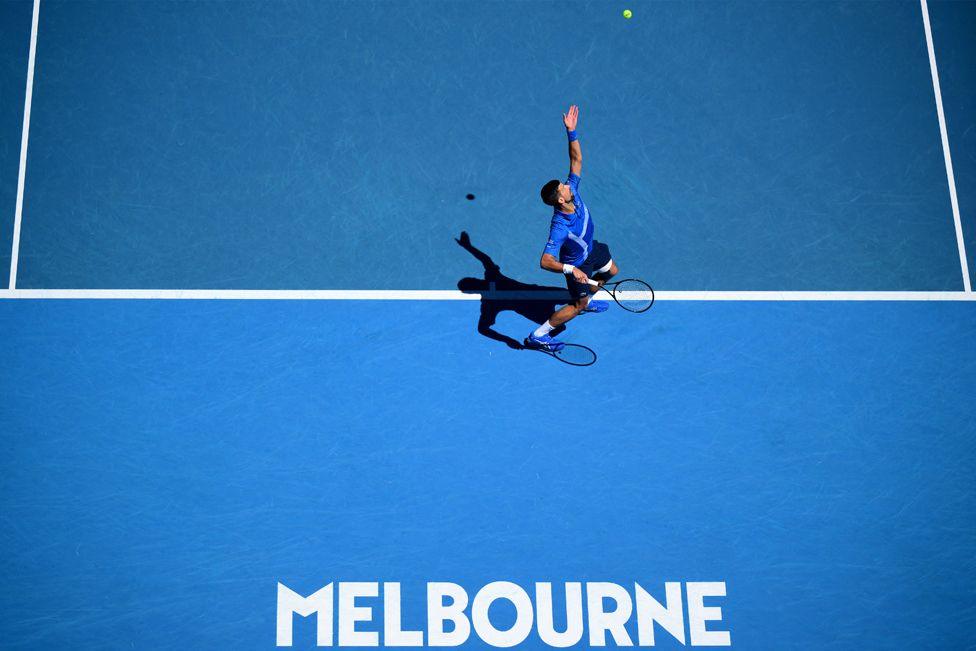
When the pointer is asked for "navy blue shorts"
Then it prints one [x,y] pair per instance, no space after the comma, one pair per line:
[598,258]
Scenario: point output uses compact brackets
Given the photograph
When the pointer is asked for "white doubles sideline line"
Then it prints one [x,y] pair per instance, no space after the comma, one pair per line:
[960,242]
[22,171]
[455,295]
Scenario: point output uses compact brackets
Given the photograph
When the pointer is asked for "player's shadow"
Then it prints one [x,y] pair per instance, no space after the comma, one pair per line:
[499,293]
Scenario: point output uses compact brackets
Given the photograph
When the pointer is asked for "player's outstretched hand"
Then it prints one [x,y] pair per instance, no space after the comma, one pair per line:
[580,277]
[569,119]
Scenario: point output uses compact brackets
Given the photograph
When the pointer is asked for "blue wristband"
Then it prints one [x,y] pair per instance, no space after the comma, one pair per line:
[572,135]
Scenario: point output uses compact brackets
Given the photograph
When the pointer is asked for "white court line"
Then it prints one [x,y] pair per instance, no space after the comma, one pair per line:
[455,295]
[22,172]
[945,149]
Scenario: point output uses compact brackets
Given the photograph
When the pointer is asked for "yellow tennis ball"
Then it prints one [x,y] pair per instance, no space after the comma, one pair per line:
[628,13]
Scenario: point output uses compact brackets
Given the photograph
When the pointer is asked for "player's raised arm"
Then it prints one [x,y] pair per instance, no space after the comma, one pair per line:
[575,153]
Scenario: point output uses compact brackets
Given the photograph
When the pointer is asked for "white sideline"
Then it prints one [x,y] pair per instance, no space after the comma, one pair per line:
[22,171]
[455,295]
[960,242]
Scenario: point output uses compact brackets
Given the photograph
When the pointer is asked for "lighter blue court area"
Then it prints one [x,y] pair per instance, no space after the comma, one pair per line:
[167,463]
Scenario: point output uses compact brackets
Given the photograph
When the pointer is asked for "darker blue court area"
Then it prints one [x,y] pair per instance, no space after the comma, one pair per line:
[953,23]
[332,145]
[166,463]
[15,25]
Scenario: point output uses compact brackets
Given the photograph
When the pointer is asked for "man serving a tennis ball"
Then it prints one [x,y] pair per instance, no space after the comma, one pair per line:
[571,249]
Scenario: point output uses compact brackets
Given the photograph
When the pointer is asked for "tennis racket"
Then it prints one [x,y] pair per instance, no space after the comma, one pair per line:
[631,294]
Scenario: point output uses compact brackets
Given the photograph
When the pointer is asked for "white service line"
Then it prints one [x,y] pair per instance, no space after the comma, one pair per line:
[455,295]
[961,243]
[22,172]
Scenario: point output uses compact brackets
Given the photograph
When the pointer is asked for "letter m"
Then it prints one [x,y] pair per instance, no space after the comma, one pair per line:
[290,602]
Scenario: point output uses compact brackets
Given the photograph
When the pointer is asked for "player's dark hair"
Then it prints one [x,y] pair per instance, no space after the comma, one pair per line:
[550,192]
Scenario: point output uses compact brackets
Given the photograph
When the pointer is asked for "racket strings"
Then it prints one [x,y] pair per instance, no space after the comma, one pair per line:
[634,295]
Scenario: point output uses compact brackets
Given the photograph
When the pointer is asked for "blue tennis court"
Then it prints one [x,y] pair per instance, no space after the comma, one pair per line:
[262,374]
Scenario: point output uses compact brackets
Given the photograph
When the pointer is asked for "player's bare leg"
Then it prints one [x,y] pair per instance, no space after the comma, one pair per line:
[604,276]
[542,339]
[568,312]
[601,278]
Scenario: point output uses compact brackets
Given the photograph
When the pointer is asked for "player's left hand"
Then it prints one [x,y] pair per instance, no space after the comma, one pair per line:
[570,119]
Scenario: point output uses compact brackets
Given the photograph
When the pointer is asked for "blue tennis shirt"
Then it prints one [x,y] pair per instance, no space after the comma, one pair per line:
[571,236]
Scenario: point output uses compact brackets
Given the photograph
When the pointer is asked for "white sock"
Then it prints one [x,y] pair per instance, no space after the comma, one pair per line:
[543,330]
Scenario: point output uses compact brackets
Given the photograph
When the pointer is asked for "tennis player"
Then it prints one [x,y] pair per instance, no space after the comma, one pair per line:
[571,249]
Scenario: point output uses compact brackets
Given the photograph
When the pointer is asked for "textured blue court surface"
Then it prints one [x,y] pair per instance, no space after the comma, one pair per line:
[296,145]
[166,463]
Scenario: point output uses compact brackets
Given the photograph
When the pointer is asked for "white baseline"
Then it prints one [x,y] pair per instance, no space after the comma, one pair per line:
[455,295]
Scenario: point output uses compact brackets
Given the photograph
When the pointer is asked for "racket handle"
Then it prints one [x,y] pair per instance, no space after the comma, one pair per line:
[593,282]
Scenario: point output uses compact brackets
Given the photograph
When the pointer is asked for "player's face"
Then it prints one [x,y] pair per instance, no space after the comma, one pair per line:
[565,193]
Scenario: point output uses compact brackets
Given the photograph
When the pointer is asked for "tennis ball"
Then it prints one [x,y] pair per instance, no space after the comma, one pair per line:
[628,13]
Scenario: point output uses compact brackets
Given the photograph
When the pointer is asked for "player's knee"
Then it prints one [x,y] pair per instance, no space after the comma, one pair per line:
[608,273]
[581,304]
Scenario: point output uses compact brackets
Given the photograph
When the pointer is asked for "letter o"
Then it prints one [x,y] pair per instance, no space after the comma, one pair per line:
[523,614]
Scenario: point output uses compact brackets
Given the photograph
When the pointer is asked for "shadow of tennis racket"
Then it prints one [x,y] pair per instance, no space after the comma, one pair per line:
[572,354]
